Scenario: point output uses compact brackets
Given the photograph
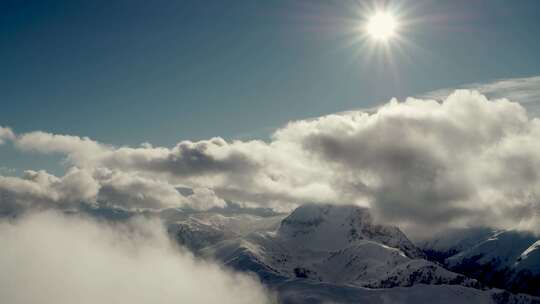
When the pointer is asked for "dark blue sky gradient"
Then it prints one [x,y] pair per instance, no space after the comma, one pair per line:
[126,72]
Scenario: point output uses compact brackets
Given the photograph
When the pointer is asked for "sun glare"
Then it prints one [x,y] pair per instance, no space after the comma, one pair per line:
[381,26]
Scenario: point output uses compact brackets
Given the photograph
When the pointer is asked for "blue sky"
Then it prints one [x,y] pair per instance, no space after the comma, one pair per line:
[127,72]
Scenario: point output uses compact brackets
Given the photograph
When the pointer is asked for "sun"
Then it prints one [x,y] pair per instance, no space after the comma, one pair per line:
[382,26]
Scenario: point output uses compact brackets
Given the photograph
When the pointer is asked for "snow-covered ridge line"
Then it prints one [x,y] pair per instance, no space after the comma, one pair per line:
[504,259]
[324,244]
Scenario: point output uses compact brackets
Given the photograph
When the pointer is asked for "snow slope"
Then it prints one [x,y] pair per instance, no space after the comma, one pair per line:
[299,291]
[199,230]
[505,259]
[335,254]
[334,244]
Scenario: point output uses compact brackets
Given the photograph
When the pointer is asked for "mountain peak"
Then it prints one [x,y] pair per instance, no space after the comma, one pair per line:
[332,227]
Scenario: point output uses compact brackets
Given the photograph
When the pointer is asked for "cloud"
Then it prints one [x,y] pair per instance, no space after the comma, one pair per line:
[6,134]
[214,156]
[524,90]
[113,188]
[41,190]
[460,161]
[132,191]
[52,258]
[423,163]
[205,159]
[80,150]
[248,171]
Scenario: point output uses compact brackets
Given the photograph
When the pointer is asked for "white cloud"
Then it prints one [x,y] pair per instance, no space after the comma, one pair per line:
[243,171]
[524,90]
[127,190]
[130,191]
[465,160]
[51,258]
[82,151]
[39,189]
[6,134]
[424,163]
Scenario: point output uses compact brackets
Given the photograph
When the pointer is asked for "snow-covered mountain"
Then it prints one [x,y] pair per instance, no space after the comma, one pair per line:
[200,230]
[331,227]
[504,259]
[334,244]
[450,242]
[301,291]
[323,253]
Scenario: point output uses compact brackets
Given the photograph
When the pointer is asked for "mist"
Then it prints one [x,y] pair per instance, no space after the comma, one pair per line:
[49,257]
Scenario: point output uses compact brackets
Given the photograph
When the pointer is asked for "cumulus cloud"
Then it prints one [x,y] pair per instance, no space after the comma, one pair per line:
[132,191]
[41,190]
[112,188]
[248,172]
[429,164]
[6,134]
[525,90]
[79,150]
[463,160]
[52,258]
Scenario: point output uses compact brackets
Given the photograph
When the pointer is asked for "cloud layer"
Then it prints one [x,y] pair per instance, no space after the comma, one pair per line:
[130,191]
[462,161]
[52,258]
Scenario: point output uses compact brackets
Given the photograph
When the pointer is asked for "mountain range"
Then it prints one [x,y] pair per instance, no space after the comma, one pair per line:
[339,254]
[508,259]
